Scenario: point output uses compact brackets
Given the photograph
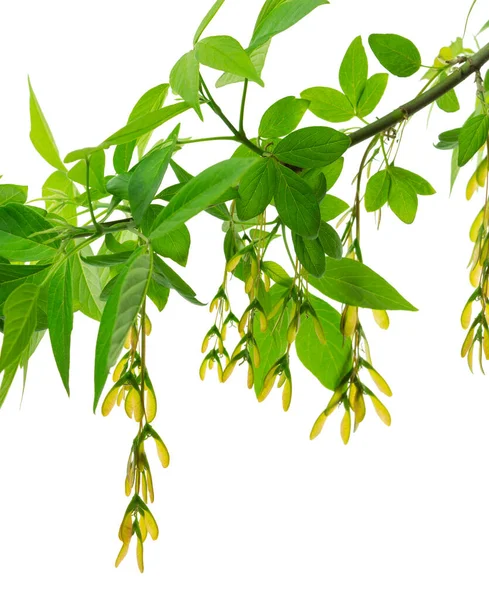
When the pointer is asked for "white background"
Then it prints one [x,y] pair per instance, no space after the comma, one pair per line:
[249,507]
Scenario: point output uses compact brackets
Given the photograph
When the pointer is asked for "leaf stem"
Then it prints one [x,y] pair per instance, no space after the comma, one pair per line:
[89,197]
[242,110]
[231,138]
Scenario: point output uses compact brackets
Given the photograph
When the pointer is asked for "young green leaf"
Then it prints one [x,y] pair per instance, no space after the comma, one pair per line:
[332,172]
[330,241]
[40,134]
[329,104]
[419,185]
[13,193]
[185,81]
[107,260]
[354,71]
[279,15]
[396,53]
[256,189]
[329,361]
[21,237]
[158,294]
[296,204]
[257,56]
[20,312]
[150,101]
[88,282]
[372,94]
[276,273]
[207,19]
[200,193]
[7,380]
[312,147]
[148,175]
[332,207]
[166,276]
[60,319]
[377,190]
[448,102]
[137,128]
[174,244]
[59,194]
[403,200]
[224,53]
[351,282]
[310,254]
[119,314]
[282,117]
[472,137]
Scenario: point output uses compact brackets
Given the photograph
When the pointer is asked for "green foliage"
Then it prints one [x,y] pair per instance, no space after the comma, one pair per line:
[396,53]
[103,240]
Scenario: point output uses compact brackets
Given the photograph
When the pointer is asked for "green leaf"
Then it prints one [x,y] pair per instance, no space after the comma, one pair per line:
[148,175]
[166,276]
[372,94]
[60,319]
[377,190]
[316,180]
[224,53]
[150,101]
[13,272]
[175,244]
[354,71]
[419,185]
[59,194]
[88,282]
[403,200]
[448,139]
[107,260]
[137,128]
[276,273]
[472,137]
[332,172]
[448,102]
[20,323]
[257,57]
[119,314]
[256,189]
[329,104]
[351,282]
[279,15]
[185,81]
[310,254]
[272,344]
[330,241]
[20,234]
[119,185]
[207,19]
[200,193]
[96,171]
[332,207]
[330,361]
[296,204]
[282,117]
[13,193]
[396,53]
[7,380]
[40,134]
[312,147]
[158,294]
[484,27]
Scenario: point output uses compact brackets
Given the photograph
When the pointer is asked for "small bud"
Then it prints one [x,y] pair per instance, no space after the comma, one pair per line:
[349,320]
[318,328]
[203,368]
[266,282]
[121,395]
[214,304]
[267,387]
[126,529]
[381,318]
[263,322]
[359,410]
[139,555]
[354,391]
[481,172]
[476,225]
[485,344]
[249,284]
[276,308]
[143,528]
[475,275]
[151,525]
[472,186]
[233,262]
[228,371]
